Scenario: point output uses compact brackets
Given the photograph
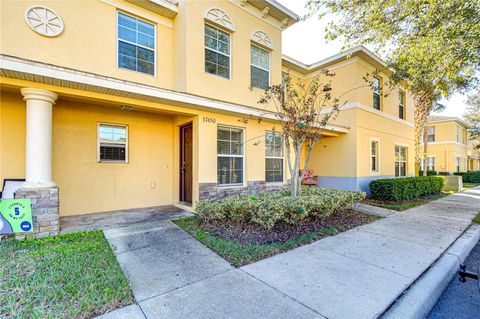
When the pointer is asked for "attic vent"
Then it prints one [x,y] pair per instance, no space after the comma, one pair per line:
[220,18]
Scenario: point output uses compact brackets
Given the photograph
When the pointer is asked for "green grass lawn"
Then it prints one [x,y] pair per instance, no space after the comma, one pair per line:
[469,185]
[68,276]
[476,219]
[238,254]
[400,206]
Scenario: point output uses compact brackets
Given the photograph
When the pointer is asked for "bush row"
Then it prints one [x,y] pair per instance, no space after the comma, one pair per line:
[470,177]
[270,208]
[429,173]
[398,189]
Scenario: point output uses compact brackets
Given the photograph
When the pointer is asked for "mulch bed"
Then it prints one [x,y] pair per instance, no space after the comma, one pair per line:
[251,233]
[372,201]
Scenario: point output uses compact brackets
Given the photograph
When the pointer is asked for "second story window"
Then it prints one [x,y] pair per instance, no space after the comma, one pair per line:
[259,67]
[431,134]
[376,94]
[401,105]
[136,44]
[217,51]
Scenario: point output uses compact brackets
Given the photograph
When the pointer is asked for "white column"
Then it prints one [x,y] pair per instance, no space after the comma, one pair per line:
[39,137]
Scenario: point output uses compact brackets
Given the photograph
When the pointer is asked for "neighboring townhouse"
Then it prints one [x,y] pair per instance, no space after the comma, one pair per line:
[380,140]
[447,150]
[473,153]
[137,103]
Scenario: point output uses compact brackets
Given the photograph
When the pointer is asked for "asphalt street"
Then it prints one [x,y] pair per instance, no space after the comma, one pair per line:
[460,300]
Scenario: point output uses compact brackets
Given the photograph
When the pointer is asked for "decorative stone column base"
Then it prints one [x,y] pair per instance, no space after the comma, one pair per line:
[213,191]
[45,212]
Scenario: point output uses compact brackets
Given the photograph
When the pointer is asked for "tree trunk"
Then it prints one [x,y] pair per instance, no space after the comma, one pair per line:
[425,146]
[296,176]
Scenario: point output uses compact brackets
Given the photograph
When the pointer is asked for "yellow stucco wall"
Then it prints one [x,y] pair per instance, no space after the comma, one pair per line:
[236,89]
[87,186]
[12,136]
[89,39]
[447,147]
[349,155]
[89,43]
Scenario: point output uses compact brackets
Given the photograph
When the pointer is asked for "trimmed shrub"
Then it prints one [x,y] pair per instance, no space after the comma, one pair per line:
[429,173]
[270,208]
[398,189]
[470,177]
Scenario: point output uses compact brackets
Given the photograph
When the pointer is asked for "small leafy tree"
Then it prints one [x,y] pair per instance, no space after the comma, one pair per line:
[304,111]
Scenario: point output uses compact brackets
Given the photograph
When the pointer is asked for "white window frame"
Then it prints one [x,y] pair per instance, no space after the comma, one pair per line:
[377,93]
[229,156]
[430,160]
[276,157]
[434,134]
[404,161]
[139,45]
[218,52]
[377,156]
[458,133]
[259,67]
[99,143]
[402,103]
[458,164]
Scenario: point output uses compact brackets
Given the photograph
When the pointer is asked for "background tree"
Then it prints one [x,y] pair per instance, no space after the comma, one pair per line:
[303,110]
[472,116]
[432,46]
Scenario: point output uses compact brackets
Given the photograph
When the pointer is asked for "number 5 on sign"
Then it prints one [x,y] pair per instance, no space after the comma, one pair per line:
[15,216]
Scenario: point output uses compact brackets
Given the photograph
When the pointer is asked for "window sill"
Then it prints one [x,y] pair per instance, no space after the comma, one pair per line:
[226,186]
[112,162]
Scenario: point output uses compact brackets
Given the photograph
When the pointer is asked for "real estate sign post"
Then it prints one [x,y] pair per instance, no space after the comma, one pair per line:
[15,216]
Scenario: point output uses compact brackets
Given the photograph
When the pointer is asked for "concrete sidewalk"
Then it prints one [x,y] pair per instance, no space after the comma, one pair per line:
[356,274]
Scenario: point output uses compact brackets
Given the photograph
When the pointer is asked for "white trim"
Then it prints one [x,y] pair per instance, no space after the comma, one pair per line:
[39,69]
[402,144]
[403,104]
[137,45]
[459,121]
[261,38]
[445,142]
[402,161]
[259,67]
[99,143]
[275,157]
[46,22]
[229,55]
[219,18]
[377,156]
[354,105]
[243,156]
[135,10]
[342,55]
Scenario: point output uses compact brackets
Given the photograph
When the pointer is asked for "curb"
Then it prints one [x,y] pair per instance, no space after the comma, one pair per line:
[419,299]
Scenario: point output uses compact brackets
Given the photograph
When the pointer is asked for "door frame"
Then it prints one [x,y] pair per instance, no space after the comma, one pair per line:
[181,193]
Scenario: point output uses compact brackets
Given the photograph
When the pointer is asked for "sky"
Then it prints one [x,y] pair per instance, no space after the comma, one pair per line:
[305,42]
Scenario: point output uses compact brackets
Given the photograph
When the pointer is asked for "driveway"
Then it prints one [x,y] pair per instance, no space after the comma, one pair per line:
[356,274]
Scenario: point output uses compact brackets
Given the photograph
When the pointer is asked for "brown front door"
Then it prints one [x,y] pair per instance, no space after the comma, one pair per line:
[186,160]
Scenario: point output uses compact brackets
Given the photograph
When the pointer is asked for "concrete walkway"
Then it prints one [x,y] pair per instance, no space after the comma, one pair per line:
[356,274]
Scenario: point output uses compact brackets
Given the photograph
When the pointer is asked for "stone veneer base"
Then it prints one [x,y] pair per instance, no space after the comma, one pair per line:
[45,211]
[213,191]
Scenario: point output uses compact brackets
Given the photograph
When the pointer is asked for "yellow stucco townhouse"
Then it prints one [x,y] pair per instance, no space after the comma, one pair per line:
[116,104]
[448,149]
